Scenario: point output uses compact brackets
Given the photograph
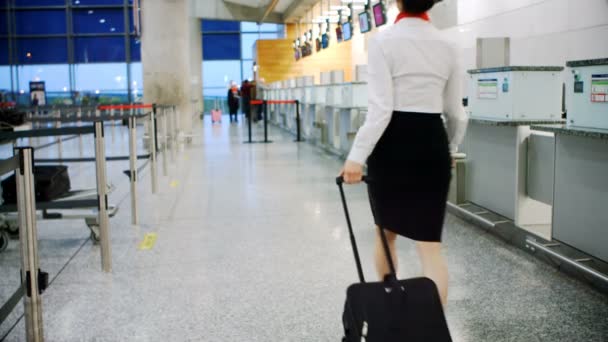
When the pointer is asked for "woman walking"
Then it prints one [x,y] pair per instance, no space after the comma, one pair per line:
[413,77]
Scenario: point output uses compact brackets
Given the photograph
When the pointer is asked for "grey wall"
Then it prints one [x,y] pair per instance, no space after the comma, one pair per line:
[580,211]
[541,151]
[491,162]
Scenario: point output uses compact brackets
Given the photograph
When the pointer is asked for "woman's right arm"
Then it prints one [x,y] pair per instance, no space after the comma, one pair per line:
[380,103]
[457,118]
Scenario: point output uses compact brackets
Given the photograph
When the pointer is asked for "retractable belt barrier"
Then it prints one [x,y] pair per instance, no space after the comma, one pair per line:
[265,104]
[101,202]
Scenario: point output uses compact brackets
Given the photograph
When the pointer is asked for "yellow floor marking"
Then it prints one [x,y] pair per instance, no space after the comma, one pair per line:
[148,242]
[174,184]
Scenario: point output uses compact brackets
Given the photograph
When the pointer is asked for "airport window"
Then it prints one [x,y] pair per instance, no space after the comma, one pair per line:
[101,78]
[221,46]
[5,78]
[42,50]
[99,49]
[55,76]
[248,70]
[3,51]
[30,22]
[135,49]
[217,76]
[99,21]
[137,81]
[29,3]
[97,2]
[247,42]
[269,36]
[3,21]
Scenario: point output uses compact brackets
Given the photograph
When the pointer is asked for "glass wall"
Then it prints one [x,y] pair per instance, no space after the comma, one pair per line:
[81,49]
[228,54]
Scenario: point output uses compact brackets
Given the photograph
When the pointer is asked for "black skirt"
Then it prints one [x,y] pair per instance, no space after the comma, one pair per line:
[409,172]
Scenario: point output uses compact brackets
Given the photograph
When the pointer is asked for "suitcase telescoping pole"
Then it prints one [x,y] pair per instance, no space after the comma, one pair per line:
[353,241]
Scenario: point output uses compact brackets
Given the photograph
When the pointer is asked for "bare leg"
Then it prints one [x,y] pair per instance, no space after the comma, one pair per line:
[382,266]
[434,266]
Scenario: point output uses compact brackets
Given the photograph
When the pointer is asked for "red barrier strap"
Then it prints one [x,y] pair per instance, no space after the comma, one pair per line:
[257,102]
[123,107]
[7,104]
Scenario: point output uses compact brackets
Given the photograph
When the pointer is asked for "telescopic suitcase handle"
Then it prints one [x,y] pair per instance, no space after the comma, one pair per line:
[353,241]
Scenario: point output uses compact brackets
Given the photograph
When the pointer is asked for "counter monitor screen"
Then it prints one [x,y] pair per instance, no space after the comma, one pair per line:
[347,31]
[365,23]
[325,40]
[379,14]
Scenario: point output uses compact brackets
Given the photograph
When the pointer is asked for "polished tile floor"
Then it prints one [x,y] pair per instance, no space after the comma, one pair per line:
[252,246]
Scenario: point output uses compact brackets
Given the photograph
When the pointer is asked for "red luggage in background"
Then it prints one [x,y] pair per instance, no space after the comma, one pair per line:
[216,115]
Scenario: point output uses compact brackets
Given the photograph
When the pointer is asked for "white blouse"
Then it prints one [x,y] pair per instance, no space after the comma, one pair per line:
[411,68]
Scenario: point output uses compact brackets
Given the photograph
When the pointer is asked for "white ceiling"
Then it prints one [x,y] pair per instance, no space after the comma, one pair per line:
[281,6]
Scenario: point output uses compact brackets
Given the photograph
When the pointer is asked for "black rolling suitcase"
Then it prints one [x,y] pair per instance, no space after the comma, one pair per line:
[50,182]
[392,310]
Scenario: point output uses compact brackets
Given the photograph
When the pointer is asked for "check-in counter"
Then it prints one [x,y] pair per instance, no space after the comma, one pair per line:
[503,104]
[497,172]
[580,198]
[580,192]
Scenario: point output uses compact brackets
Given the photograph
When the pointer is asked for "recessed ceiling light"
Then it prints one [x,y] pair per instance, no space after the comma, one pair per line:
[102,21]
[90,11]
[113,29]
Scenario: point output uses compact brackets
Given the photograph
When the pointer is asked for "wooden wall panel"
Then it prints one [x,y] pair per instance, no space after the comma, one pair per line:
[275,60]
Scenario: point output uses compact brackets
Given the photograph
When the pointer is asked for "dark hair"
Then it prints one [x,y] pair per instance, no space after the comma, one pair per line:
[418,6]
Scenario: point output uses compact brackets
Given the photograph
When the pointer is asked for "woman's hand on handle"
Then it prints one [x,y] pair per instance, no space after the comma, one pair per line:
[352,172]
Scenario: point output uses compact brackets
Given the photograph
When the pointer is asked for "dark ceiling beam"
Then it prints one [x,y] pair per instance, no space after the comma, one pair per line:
[271,6]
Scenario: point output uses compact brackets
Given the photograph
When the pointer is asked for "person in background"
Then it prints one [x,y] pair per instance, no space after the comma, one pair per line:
[255,96]
[35,100]
[414,76]
[246,97]
[233,101]
[259,91]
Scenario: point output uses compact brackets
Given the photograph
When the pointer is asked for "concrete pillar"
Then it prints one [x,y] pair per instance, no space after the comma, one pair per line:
[171,57]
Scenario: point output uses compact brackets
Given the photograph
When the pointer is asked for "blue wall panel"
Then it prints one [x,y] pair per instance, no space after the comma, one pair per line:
[221,46]
[220,26]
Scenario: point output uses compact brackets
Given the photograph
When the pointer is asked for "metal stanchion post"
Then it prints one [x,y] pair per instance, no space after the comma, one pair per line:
[103,218]
[164,123]
[265,121]
[133,167]
[34,280]
[155,127]
[249,126]
[153,147]
[173,134]
[298,122]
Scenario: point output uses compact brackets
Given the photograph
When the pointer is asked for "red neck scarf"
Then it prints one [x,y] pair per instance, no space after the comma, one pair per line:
[403,15]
